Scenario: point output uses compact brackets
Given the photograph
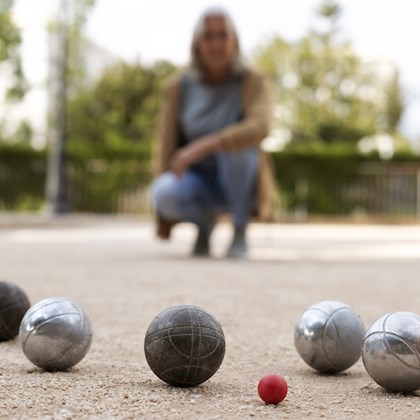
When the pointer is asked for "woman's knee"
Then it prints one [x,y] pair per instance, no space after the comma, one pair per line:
[241,160]
[164,195]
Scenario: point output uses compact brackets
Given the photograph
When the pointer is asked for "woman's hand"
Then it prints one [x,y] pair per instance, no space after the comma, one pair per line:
[188,155]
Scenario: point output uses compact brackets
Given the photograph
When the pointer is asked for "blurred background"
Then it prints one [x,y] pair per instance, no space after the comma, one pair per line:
[80,85]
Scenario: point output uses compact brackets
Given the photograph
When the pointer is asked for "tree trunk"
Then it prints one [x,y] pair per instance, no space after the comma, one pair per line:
[57,188]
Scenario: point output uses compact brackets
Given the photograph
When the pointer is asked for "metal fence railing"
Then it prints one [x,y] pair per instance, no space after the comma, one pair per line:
[376,190]
[110,186]
[122,186]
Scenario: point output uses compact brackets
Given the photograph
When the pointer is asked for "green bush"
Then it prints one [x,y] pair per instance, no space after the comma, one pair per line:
[325,181]
[96,181]
[339,181]
[22,178]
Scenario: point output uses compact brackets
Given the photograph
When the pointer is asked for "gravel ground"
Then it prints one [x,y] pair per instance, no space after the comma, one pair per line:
[122,277]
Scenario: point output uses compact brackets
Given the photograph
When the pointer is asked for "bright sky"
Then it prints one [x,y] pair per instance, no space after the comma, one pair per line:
[156,29]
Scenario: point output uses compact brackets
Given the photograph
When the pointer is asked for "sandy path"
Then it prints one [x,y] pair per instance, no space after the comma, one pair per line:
[122,278]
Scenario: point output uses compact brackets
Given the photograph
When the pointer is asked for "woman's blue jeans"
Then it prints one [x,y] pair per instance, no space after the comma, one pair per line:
[199,196]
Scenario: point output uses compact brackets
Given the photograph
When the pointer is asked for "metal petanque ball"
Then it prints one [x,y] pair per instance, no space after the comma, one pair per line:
[13,305]
[55,334]
[391,351]
[329,335]
[184,345]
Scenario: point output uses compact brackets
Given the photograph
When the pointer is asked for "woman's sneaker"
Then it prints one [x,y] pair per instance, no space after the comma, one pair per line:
[238,248]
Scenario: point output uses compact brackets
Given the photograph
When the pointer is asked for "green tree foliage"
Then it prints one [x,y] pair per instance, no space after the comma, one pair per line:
[77,43]
[64,36]
[10,41]
[23,134]
[326,92]
[119,110]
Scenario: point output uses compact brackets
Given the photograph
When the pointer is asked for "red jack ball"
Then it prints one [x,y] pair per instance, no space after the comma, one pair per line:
[272,388]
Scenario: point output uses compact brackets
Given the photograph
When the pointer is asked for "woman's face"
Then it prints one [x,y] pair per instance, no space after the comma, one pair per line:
[217,45]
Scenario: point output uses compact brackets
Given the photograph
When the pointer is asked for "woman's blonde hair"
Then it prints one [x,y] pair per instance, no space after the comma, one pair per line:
[238,66]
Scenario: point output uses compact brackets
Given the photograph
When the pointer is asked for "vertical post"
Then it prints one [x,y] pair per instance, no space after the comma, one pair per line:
[301,194]
[57,177]
[418,192]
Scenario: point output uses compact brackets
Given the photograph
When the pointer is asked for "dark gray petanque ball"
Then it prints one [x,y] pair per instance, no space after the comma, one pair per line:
[13,305]
[184,345]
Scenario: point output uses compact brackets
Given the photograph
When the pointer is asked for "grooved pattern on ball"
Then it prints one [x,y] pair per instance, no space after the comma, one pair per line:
[13,305]
[55,334]
[330,341]
[184,345]
[391,351]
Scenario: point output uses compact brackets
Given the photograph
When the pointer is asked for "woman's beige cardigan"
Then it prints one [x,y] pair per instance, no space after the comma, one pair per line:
[257,93]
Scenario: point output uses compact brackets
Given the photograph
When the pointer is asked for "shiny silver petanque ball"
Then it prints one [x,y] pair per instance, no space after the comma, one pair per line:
[13,305]
[391,351]
[184,345]
[55,334]
[329,335]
